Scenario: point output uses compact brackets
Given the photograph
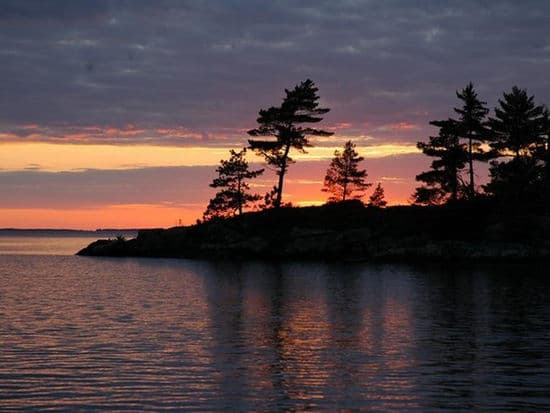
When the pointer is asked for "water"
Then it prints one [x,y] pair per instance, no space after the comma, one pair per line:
[145,334]
[52,242]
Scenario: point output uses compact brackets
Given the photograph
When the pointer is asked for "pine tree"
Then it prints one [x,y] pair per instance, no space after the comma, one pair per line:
[232,177]
[343,177]
[543,154]
[519,124]
[516,181]
[443,181]
[284,123]
[377,199]
[471,126]
[518,128]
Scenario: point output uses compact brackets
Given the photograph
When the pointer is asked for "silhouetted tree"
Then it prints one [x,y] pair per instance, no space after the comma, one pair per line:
[519,124]
[377,199]
[520,179]
[443,182]
[518,131]
[543,153]
[269,199]
[471,126]
[232,177]
[284,123]
[343,177]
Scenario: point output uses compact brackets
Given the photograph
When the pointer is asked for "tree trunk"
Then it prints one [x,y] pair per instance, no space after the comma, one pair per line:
[547,171]
[282,172]
[454,190]
[471,162]
[239,196]
[346,181]
[345,188]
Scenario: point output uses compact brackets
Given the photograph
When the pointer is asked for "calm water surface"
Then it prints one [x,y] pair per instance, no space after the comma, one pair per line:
[51,242]
[144,334]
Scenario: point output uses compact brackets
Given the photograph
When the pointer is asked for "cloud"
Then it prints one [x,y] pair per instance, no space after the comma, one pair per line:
[33,167]
[399,126]
[111,135]
[204,69]
[51,10]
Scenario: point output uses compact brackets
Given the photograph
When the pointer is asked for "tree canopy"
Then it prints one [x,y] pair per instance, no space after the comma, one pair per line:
[233,175]
[443,181]
[378,199]
[287,123]
[519,124]
[471,126]
[344,180]
[520,130]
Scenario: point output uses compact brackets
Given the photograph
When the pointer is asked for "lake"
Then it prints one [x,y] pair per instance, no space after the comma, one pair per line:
[164,334]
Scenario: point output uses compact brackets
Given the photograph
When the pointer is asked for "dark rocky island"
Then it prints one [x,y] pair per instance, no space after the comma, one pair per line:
[350,231]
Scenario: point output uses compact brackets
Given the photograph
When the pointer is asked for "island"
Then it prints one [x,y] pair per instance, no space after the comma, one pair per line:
[350,231]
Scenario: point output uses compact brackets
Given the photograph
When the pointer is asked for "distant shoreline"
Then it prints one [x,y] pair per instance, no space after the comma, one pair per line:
[70,230]
[65,233]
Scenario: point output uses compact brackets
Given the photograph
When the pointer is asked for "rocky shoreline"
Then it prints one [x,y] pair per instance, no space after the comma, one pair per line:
[349,232]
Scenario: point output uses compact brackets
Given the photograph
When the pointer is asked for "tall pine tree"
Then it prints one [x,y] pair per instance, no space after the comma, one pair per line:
[471,127]
[344,180]
[443,181]
[518,130]
[233,175]
[543,154]
[288,125]
[519,124]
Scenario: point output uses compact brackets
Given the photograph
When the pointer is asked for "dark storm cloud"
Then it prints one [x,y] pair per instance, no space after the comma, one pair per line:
[52,9]
[209,66]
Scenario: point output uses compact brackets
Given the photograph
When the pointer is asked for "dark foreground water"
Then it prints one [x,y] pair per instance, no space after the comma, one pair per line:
[145,334]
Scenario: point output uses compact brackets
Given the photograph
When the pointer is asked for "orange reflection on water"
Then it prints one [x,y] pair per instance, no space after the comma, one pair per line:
[302,339]
[387,336]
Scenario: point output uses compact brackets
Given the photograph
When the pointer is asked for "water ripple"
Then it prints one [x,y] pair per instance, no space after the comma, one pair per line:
[112,335]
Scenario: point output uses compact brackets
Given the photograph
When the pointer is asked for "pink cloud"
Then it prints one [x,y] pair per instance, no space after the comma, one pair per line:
[341,125]
[402,126]
[106,134]
[178,132]
[123,132]
[9,136]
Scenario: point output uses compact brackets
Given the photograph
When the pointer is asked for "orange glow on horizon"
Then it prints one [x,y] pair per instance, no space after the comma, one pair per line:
[114,216]
[302,185]
[140,215]
[65,157]
[124,216]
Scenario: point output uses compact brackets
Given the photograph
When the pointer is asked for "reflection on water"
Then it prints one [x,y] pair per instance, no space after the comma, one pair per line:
[135,334]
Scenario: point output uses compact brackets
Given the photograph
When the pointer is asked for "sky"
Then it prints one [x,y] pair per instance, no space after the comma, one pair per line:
[116,113]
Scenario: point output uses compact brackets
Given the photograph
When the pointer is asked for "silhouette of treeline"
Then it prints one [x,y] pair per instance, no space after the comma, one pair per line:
[287,127]
[453,217]
[515,142]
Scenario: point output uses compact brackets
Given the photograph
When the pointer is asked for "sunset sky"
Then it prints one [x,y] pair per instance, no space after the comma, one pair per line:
[116,113]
